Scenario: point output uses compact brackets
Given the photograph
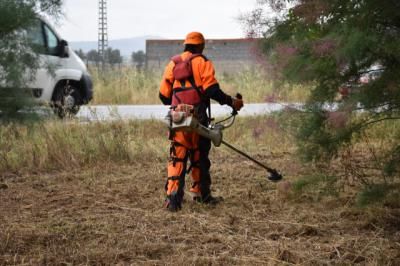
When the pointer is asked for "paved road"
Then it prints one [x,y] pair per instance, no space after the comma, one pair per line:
[107,112]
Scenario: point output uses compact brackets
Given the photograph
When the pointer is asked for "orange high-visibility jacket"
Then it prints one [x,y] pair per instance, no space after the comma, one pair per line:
[203,75]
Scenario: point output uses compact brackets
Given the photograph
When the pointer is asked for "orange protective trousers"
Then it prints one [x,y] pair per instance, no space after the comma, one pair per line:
[188,146]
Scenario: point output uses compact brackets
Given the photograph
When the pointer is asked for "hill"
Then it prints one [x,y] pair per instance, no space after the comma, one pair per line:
[126,46]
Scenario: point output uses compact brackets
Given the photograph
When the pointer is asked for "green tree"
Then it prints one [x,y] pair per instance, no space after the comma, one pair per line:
[18,54]
[93,57]
[81,54]
[138,59]
[113,56]
[350,47]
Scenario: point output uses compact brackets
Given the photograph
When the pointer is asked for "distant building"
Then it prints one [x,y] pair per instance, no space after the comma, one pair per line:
[228,55]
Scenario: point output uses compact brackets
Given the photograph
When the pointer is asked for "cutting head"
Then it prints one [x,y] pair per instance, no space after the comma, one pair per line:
[274,176]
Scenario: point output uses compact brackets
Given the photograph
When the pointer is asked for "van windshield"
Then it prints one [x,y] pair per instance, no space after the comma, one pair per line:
[52,41]
[36,37]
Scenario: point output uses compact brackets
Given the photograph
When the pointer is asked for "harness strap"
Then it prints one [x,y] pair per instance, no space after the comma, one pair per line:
[172,152]
[175,160]
[193,163]
[178,59]
[177,144]
[202,96]
[173,178]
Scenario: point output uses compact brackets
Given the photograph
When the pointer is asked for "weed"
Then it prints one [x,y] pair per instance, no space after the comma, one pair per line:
[317,184]
[378,193]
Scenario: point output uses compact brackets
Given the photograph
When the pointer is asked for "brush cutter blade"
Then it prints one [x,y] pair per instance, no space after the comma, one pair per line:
[274,176]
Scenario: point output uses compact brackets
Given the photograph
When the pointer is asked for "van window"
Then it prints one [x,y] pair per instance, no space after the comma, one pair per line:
[36,37]
[52,41]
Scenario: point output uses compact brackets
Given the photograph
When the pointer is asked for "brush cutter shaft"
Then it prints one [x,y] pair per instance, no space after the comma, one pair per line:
[214,133]
[248,157]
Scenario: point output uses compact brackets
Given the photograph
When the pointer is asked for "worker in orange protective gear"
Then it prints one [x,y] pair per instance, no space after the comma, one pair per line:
[188,85]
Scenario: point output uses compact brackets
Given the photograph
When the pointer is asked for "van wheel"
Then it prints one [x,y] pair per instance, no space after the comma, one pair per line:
[66,101]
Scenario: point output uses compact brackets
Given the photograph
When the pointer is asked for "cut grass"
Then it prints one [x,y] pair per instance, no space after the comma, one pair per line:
[112,214]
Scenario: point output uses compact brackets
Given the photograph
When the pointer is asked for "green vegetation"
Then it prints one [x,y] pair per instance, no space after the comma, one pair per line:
[18,54]
[138,59]
[348,49]
[317,185]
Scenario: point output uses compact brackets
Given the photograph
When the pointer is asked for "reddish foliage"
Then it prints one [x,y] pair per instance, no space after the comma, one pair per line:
[257,132]
[311,10]
[285,50]
[324,47]
[337,119]
[285,54]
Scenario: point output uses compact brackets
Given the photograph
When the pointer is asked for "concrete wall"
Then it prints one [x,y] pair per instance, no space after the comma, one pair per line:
[228,56]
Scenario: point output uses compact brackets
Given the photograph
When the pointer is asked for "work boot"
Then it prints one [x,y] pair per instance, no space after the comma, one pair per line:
[195,192]
[172,203]
[210,200]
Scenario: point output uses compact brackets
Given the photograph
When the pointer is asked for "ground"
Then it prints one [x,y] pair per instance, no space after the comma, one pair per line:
[113,215]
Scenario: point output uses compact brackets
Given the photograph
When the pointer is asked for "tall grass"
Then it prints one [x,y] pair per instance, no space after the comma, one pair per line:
[130,86]
[125,86]
[257,87]
[55,145]
[61,146]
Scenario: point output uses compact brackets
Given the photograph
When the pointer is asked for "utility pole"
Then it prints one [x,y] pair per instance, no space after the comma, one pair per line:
[103,35]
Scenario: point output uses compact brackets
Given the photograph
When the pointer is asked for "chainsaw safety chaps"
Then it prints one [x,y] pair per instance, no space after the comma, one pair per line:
[186,147]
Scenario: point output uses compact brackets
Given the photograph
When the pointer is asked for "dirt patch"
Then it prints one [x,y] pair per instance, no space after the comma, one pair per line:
[114,215]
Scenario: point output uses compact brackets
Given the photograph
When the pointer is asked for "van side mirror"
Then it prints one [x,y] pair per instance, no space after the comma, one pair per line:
[64,51]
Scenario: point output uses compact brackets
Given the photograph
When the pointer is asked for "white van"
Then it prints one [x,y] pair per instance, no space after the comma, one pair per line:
[68,84]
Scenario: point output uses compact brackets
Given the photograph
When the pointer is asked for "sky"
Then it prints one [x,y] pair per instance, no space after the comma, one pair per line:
[171,19]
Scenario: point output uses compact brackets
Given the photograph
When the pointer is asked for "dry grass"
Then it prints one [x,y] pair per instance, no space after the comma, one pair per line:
[113,215]
[125,86]
[58,145]
[55,145]
[130,86]
[108,209]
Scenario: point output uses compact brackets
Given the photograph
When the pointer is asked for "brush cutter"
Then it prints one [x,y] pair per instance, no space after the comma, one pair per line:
[183,122]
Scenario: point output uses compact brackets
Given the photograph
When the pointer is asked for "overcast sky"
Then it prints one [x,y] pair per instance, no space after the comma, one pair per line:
[165,18]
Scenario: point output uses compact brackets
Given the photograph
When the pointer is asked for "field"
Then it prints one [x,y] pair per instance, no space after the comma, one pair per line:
[92,194]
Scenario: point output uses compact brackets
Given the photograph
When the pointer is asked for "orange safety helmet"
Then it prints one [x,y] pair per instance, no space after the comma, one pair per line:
[194,38]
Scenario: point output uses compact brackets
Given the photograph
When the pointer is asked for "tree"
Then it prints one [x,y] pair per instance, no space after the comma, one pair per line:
[113,57]
[335,46]
[138,59]
[94,57]
[81,54]
[18,54]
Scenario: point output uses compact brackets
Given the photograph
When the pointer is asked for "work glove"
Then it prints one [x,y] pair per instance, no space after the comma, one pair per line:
[237,102]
